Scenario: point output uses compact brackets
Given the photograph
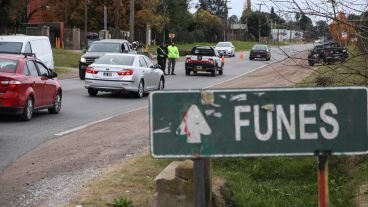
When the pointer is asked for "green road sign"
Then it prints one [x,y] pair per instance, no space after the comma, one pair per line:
[258,122]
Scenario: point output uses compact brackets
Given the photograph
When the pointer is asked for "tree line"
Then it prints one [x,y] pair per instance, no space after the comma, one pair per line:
[210,21]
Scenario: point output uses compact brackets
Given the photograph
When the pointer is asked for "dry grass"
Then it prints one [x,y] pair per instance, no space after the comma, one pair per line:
[132,179]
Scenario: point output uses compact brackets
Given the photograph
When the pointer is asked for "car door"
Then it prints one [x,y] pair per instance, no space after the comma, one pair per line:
[37,84]
[50,87]
[145,72]
[152,73]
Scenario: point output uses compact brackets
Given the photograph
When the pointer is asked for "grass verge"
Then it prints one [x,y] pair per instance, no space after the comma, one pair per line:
[66,58]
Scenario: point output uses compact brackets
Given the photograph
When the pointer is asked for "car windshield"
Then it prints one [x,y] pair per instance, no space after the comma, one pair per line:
[260,47]
[115,60]
[11,47]
[203,51]
[8,66]
[105,47]
[223,44]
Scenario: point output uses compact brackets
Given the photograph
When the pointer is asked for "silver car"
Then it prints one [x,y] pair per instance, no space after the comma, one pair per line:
[226,49]
[124,73]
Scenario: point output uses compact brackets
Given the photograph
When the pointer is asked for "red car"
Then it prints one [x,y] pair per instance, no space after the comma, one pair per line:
[26,85]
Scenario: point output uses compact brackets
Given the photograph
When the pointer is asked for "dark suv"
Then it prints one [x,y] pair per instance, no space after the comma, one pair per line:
[327,53]
[98,49]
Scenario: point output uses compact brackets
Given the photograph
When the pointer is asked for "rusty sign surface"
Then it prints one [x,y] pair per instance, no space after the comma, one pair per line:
[258,122]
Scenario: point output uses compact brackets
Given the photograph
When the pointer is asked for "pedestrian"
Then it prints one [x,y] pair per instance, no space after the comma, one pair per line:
[161,56]
[173,55]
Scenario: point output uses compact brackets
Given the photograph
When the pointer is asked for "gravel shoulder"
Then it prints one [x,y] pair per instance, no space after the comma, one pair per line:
[55,171]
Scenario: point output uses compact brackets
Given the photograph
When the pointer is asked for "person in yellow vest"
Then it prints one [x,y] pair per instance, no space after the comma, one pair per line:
[173,55]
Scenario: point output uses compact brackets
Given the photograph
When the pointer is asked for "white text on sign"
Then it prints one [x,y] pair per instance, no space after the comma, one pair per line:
[288,123]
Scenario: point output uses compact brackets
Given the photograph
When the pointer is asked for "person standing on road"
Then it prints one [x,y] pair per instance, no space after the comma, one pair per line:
[161,56]
[173,55]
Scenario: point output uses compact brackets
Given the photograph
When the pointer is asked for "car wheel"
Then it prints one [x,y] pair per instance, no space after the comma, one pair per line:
[221,71]
[311,63]
[92,92]
[187,71]
[140,91]
[28,110]
[57,105]
[161,85]
[214,71]
[82,74]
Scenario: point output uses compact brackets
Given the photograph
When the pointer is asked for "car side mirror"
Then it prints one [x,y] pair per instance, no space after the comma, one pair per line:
[53,74]
[84,51]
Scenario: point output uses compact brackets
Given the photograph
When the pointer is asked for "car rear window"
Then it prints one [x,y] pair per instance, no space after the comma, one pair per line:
[8,66]
[11,47]
[222,44]
[115,60]
[105,47]
[203,51]
[260,47]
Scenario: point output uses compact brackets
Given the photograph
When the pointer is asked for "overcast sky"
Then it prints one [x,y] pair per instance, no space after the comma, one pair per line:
[349,6]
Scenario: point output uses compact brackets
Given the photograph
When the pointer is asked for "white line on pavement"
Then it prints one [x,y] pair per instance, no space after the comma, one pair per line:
[95,122]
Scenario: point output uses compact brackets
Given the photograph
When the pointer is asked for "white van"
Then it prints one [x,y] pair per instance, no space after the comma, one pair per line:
[39,45]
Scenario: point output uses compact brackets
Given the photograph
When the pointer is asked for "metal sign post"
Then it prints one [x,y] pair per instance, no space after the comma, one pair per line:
[323,192]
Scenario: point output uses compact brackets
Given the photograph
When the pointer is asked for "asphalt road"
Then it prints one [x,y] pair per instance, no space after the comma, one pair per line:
[79,109]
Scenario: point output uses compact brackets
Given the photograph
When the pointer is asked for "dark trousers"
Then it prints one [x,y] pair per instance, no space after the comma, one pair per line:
[162,62]
[172,62]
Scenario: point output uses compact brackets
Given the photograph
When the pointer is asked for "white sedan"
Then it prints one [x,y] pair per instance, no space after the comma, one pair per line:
[124,73]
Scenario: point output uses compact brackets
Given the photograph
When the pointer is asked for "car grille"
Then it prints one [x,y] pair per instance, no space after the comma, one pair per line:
[90,60]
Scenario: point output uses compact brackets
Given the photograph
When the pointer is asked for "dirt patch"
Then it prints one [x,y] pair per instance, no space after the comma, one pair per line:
[98,147]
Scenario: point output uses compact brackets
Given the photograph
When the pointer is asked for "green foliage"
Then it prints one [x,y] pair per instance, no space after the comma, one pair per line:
[122,202]
[255,21]
[283,181]
[66,58]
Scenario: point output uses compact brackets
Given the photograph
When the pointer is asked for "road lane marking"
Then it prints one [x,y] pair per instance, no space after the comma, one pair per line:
[95,122]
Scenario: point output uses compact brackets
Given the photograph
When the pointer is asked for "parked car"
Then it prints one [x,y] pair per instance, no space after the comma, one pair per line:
[327,53]
[26,85]
[22,44]
[124,73]
[226,49]
[98,49]
[260,51]
[204,59]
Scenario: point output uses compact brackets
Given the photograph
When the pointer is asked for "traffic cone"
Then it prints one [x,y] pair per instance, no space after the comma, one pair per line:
[241,56]
[223,59]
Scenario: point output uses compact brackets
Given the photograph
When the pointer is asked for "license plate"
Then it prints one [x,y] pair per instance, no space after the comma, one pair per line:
[258,56]
[107,74]
[199,67]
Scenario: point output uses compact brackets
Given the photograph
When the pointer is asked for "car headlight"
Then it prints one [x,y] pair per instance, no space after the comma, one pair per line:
[83,60]
[343,50]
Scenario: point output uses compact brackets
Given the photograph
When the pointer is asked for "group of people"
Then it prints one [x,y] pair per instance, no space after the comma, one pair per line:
[167,52]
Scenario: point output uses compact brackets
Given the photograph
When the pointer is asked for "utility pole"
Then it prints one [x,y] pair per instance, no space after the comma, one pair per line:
[66,17]
[225,23]
[85,23]
[131,21]
[259,22]
[164,32]
[116,32]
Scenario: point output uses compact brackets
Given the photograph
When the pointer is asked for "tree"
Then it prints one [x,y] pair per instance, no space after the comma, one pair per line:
[209,26]
[253,24]
[305,23]
[233,19]
[215,7]
[6,19]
